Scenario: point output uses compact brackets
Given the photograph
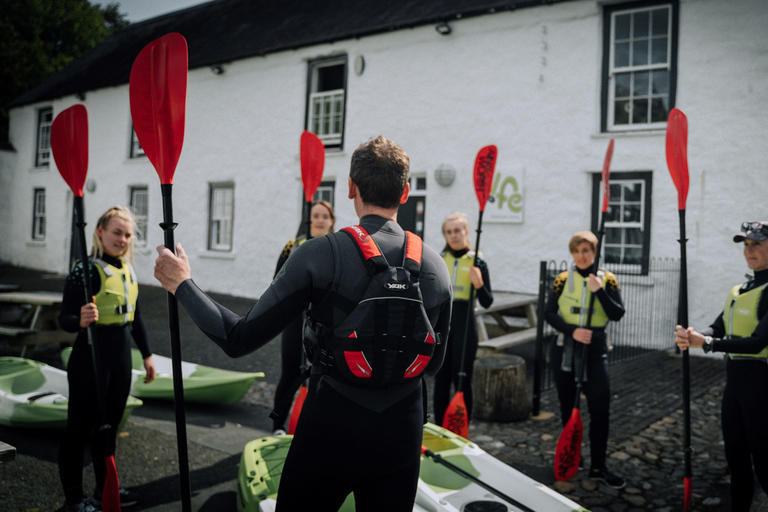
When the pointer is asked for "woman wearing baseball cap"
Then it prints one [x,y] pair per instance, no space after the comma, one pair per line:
[741,331]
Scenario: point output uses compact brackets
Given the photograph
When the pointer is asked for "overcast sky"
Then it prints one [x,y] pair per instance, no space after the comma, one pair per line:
[139,10]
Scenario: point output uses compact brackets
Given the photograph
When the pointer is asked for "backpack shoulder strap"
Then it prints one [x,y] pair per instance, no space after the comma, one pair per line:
[414,248]
[369,250]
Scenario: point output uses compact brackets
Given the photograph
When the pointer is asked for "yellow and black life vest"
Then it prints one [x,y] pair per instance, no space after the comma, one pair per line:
[740,317]
[119,291]
[459,270]
[574,301]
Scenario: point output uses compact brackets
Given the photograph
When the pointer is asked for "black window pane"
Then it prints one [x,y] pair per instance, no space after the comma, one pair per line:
[634,236]
[621,26]
[612,254]
[659,50]
[659,110]
[640,52]
[621,55]
[640,111]
[612,215]
[621,112]
[613,235]
[660,21]
[633,256]
[660,80]
[622,85]
[632,213]
[330,78]
[641,83]
[632,192]
[641,24]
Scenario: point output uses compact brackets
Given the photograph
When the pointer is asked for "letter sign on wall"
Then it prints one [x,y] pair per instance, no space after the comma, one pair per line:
[505,203]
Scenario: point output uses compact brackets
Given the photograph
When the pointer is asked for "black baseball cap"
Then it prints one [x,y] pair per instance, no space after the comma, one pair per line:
[757,231]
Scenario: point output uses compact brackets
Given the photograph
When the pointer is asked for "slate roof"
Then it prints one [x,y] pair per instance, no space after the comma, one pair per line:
[226,30]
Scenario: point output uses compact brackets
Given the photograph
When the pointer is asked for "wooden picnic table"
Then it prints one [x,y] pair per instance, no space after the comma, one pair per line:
[509,321]
[38,323]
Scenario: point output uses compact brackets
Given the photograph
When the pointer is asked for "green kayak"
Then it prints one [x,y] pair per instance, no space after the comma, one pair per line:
[202,384]
[35,395]
[441,488]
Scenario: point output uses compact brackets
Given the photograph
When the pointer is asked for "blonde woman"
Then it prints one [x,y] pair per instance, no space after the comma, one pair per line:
[116,313]
[459,258]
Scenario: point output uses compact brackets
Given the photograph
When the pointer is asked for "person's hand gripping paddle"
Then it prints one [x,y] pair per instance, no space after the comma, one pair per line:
[456,418]
[312,154]
[677,161]
[158,93]
[568,450]
[69,144]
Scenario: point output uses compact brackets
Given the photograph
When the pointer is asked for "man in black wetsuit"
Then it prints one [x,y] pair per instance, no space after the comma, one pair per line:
[350,438]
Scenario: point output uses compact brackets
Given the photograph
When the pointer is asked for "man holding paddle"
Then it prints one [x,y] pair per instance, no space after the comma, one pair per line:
[350,437]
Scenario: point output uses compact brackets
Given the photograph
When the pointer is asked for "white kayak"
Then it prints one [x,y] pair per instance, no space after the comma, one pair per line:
[442,488]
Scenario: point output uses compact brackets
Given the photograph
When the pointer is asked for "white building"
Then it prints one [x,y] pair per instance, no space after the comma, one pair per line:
[549,83]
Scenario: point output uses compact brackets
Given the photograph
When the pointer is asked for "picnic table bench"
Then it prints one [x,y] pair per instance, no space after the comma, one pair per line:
[511,320]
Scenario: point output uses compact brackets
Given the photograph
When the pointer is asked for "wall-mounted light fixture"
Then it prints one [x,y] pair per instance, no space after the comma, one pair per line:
[445,175]
[217,69]
[359,65]
[443,28]
[90,185]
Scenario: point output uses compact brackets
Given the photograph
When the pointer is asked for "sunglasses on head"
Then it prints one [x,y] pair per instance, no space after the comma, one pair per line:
[754,226]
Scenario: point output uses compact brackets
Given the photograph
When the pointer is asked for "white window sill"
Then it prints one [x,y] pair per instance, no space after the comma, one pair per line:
[218,255]
[36,243]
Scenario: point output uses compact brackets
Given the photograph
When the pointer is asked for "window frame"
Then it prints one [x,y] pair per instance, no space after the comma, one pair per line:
[646,177]
[609,73]
[214,222]
[38,214]
[135,149]
[332,140]
[141,218]
[43,145]
[326,191]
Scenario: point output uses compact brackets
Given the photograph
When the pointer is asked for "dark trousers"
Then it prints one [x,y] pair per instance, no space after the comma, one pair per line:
[745,429]
[597,389]
[341,447]
[292,354]
[447,378]
[83,419]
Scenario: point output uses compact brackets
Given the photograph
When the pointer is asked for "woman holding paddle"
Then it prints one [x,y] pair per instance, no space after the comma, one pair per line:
[741,331]
[459,257]
[322,219]
[116,313]
[567,310]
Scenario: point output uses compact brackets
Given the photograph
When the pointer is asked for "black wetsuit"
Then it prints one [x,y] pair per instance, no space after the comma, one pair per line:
[348,439]
[114,344]
[744,414]
[597,387]
[291,353]
[449,373]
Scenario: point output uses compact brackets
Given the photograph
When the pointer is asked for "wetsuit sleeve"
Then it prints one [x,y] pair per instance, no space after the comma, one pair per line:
[442,328]
[484,293]
[139,332]
[751,345]
[288,295]
[610,298]
[552,309]
[284,256]
[74,297]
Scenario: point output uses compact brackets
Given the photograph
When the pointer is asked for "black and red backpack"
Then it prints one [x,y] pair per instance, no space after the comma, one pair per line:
[386,339]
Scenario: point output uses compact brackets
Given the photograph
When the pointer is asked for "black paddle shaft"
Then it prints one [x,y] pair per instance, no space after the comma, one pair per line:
[470,308]
[178,384]
[682,319]
[439,459]
[79,211]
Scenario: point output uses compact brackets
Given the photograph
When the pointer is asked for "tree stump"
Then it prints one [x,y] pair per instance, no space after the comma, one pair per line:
[499,389]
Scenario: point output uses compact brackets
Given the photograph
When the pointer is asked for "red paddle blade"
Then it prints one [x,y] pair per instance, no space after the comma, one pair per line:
[568,451]
[677,153]
[296,411]
[69,143]
[158,92]
[606,175]
[312,163]
[455,418]
[485,163]
[110,497]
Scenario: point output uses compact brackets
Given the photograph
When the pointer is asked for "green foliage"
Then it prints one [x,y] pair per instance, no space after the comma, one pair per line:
[40,37]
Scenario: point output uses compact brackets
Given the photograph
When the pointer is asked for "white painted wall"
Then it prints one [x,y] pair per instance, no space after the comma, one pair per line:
[527,81]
